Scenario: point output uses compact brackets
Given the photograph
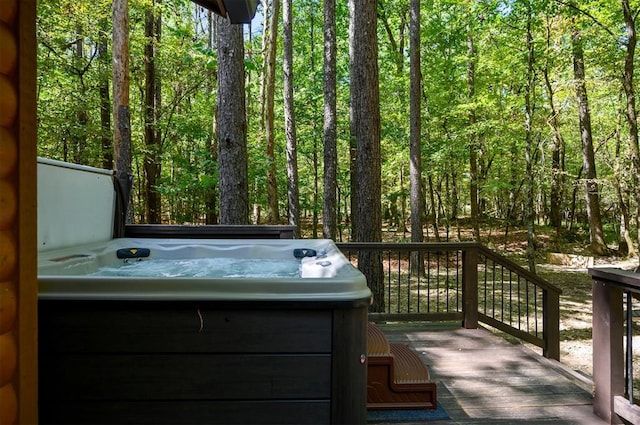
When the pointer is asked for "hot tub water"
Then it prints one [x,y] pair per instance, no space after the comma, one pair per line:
[205,267]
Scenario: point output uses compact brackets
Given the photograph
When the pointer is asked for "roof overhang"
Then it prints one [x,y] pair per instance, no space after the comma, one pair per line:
[238,11]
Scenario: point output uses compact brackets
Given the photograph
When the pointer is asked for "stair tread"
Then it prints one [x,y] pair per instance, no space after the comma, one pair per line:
[397,378]
[408,367]
[377,343]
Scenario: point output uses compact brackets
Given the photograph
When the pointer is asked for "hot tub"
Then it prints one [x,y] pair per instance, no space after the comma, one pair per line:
[232,348]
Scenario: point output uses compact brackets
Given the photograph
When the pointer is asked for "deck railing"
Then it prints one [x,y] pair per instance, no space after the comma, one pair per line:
[612,365]
[464,281]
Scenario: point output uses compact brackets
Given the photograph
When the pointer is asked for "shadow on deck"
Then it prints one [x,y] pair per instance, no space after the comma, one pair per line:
[483,379]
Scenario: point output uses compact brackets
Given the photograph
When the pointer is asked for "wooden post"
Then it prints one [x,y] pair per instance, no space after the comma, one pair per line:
[551,325]
[470,287]
[18,279]
[608,355]
[27,215]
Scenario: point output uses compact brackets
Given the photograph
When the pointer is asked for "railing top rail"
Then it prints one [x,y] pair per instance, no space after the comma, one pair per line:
[408,246]
[531,277]
[452,246]
[626,279]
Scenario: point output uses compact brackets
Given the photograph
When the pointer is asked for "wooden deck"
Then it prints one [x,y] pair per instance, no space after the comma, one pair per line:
[483,379]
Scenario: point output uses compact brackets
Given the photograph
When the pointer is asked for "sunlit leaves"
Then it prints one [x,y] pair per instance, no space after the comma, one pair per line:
[70,71]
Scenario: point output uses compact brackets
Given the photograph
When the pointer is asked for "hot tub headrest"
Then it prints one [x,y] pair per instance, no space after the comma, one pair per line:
[125,253]
[76,204]
[304,252]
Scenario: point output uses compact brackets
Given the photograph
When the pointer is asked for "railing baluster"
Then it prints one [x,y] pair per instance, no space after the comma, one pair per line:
[526,319]
[519,305]
[388,307]
[408,282]
[446,281]
[438,282]
[493,314]
[428,282]
[502,296]
[535,310]
[398,291]
[486,274]
[629,373]
[457,280]
[419,269]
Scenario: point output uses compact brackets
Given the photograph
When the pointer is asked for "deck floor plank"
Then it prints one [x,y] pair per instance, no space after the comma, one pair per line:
[484,379]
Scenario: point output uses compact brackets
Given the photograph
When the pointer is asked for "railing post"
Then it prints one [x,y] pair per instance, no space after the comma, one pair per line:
[608,358]
[551,324]
[470,287]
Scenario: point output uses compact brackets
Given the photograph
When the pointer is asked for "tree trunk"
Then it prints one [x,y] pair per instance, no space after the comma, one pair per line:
[557,153]
[212,215]
[415,136]
[152,137]
[529,146]
[631,113]
[329,136]
[289,119]
[105,100]
[315,165]
[596,233]
[121,113]
[396,47]
[473,143]
[79,130]
[273,215]
[453,195]
[625,244]
[365,130]
[435,209]
[232,125]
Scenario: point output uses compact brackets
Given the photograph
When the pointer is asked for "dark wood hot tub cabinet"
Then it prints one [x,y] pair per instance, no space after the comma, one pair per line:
[168,362]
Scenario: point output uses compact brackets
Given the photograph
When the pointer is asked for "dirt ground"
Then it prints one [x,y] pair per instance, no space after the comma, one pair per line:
[575,310]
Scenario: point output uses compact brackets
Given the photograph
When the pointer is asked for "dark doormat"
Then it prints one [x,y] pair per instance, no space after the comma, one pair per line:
[422,415]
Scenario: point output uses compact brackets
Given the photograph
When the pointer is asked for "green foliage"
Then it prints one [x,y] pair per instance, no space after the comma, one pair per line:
[69,123]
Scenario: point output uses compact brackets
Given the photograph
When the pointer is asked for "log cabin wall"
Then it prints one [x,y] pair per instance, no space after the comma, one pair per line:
[18,280]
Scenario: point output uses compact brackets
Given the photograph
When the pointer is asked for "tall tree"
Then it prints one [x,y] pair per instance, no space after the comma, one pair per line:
[152,103]
[416,195]
[212,215]
[529,142]
[315,160]
[79,130]
[104,60]
[558,146]
[365,131]
[270,81]
[596,234]
[329,135]
[415,127]
[232,125]
[396,46]
[121,113]
[625,243]
[289,119]
[631,112]
[473,137]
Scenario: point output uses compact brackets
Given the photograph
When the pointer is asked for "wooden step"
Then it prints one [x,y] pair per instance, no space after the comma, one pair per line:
[409,368]
[396,376]
[377,343]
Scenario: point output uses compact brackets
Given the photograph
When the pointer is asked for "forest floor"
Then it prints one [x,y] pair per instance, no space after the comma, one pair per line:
[574,281]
